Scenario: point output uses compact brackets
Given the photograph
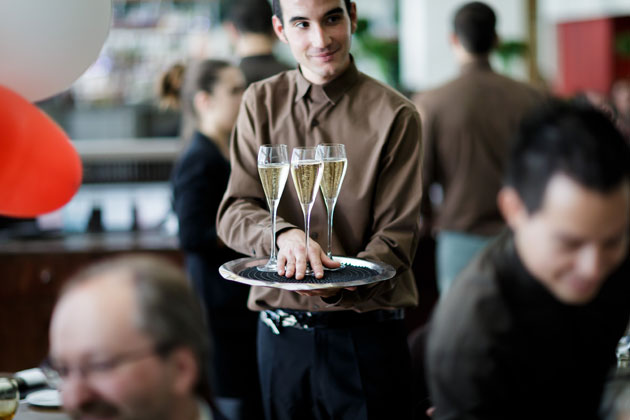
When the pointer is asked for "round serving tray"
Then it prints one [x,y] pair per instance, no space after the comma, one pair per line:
[357,272]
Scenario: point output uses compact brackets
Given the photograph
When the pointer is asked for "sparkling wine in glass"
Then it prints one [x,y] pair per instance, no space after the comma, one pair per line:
[9,398]
[306,170]
[273,168]
[335,164]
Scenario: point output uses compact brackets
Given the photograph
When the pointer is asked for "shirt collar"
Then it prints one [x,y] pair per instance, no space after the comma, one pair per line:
[478,64]
[333,90]
[204,410]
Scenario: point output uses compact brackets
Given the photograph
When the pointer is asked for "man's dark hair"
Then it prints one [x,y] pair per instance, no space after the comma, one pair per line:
[277,8]
[474,25]
[562,138]
[252,16]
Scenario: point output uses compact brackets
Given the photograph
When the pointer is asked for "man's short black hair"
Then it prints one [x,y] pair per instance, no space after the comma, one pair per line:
[474,25]
[277,8]
[562,138]
[252,16]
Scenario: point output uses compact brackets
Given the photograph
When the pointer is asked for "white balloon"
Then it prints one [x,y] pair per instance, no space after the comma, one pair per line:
[45,45]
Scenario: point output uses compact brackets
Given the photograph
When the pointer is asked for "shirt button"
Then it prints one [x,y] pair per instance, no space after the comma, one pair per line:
[314,123]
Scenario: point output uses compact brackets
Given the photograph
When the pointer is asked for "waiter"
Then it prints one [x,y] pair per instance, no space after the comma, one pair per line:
[345,355]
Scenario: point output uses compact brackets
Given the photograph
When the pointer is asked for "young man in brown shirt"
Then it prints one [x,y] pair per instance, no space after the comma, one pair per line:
[351,361]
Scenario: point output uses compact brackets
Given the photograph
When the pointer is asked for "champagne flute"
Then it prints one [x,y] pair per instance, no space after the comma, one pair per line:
[306,170]
[9,398]
[273,168]
[335,164]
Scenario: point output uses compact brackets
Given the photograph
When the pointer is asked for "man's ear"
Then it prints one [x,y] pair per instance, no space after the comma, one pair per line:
[353,17]
[278,28]
[453,39]
[511,207]
[185,369]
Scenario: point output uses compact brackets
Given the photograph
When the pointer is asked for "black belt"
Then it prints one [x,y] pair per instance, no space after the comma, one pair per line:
[279,318]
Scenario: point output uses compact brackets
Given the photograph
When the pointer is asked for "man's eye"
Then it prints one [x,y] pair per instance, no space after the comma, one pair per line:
[101,366]
[568,244]
[301,25]
[333,19]
[62,371]
[614,242]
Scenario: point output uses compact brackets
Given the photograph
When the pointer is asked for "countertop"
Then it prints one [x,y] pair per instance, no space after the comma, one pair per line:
[80,243]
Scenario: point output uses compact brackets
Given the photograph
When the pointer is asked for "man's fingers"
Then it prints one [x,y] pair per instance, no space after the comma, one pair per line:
[300,266]
[282,262]
[317,267]
[329,262]
[315,254]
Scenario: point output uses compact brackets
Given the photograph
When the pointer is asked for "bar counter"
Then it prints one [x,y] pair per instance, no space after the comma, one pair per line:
[32,272]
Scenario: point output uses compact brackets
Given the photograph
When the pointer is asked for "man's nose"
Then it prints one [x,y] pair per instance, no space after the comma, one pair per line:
[75,391]
[590,263]
[319,37]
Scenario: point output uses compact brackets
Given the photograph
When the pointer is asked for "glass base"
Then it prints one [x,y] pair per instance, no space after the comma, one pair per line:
[309,271]
[270,267]
[341,267]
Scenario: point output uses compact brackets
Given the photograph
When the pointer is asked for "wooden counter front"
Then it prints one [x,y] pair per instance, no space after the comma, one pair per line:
[32,273]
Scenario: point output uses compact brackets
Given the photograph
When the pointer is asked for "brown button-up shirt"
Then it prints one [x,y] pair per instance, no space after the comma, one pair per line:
[377,214]
[467,125]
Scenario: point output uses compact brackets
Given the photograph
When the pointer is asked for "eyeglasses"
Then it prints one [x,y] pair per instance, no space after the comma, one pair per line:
[57,373]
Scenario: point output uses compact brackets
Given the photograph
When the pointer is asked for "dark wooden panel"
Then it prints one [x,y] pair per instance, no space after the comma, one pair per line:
[31,276]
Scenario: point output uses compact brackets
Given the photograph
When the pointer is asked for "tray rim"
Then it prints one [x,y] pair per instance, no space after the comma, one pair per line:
[385,272]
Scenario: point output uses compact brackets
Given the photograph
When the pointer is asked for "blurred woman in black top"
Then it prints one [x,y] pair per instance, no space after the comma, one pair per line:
[209,92]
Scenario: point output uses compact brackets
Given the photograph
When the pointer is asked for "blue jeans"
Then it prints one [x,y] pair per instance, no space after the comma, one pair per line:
[453,253]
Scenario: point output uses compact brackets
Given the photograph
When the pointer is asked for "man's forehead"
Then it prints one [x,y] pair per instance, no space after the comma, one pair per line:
[561,187]
[568,203]
[309,8]
[93,317]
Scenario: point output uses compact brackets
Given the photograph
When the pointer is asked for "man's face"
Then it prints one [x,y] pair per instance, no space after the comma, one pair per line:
[93,326]
[319,34]
[575,240]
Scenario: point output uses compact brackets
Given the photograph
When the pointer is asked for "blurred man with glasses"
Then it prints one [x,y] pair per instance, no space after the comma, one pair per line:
[127,341]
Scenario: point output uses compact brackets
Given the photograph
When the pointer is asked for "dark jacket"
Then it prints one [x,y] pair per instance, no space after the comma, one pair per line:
[502,347]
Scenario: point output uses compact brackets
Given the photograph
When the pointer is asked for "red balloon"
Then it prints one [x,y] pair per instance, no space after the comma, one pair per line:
[40,170]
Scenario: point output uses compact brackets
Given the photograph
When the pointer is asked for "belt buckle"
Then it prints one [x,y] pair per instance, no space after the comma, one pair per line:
[272,323]
[278,319]
[289,321]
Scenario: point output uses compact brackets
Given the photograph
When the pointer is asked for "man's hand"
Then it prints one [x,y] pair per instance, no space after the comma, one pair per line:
[292,256]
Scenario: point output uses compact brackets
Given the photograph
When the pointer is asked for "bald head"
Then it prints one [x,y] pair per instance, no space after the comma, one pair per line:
[128,340]
[97,315]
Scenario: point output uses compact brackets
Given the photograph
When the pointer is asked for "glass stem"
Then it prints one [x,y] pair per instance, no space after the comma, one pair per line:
[307,225]
[330,206]
[274,211]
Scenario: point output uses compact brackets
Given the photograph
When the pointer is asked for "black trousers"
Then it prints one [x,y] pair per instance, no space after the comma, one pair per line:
[361,372]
